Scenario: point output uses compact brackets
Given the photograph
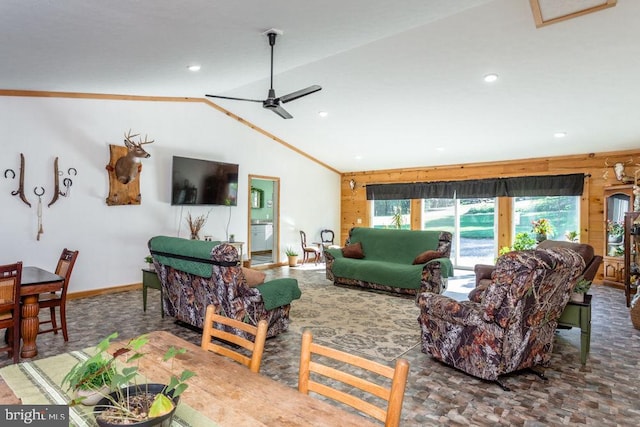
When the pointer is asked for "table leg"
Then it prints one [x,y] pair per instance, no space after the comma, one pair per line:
[29,325]
[144,296]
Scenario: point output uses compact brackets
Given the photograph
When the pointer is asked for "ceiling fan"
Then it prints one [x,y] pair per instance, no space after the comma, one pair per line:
[273,103]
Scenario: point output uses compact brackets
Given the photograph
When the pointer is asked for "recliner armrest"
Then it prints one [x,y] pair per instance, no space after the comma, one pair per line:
[446,308]
[590,271]
[483,271]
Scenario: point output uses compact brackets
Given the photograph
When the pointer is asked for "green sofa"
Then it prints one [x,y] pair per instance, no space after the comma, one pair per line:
[388,261]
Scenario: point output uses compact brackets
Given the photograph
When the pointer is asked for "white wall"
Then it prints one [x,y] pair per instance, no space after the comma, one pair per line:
[112,240]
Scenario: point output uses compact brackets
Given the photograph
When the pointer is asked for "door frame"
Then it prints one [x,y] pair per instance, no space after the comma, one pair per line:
[275,250]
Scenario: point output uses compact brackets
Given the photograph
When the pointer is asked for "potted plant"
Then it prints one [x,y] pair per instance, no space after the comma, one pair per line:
[396,218]
[90,381]
[149,260]
[292,255]
[196,224]
[572,236]
[522,242]
[130,403]
[542,229]
[580,289]
[615,230]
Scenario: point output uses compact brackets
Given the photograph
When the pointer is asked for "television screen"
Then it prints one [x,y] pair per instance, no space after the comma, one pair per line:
[203,182]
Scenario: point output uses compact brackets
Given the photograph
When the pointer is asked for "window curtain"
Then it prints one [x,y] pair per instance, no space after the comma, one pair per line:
[524,186]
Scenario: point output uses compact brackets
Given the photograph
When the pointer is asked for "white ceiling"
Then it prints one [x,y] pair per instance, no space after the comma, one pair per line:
[402,80]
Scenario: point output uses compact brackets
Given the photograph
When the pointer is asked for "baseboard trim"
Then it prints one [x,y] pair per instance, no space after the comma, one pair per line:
[103,291]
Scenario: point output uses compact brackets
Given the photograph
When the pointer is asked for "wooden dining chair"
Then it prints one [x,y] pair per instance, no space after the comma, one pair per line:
[10,280]
[306,249]
[255,347]
[326,365]
[59,298]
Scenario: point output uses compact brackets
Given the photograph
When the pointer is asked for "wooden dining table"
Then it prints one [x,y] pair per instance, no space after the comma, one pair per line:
[231,395]
[222,393]
[35,281]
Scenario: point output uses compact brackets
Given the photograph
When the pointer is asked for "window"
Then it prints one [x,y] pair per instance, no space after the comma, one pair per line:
[472,223]
[563,212]
[391,214]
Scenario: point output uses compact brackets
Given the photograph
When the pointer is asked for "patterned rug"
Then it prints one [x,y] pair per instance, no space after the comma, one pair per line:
[374,325]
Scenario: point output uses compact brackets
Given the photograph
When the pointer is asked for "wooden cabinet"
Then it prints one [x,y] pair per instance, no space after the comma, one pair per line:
[261,237]
[617,202]
[631,254]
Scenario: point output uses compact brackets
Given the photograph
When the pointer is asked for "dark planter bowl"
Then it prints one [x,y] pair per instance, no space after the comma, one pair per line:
[162,421]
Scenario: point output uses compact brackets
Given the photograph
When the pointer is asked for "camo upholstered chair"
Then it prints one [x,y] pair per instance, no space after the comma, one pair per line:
[512,327]
[186,295]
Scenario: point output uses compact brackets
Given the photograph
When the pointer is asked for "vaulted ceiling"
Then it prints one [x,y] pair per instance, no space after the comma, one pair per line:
[402,81]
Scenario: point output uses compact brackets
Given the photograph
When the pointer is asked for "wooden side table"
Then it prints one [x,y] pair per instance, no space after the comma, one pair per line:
[579,315]
[150,280]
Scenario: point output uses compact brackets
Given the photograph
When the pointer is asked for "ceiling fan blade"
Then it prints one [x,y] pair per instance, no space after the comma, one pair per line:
[299,93]
[277,108]
[235,99]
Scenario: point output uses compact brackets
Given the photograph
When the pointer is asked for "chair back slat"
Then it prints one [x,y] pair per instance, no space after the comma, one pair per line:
[58,298]
[7,290]
[213,329]
[329,363]
[10,281]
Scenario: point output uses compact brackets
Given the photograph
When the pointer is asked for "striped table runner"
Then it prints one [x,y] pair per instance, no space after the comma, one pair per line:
[38,383]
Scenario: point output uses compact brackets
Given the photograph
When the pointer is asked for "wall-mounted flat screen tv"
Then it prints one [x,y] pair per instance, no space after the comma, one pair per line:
[203,182]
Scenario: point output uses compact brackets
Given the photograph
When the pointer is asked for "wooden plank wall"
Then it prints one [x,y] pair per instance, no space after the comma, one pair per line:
[355,209]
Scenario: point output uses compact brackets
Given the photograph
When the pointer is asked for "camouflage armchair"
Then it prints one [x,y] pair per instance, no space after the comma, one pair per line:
[187,291]
[513,325]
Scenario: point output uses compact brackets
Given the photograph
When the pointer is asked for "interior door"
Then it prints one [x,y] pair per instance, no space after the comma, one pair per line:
[264,220]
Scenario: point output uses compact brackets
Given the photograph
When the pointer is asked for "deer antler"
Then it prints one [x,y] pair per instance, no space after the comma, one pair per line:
[145,141]
[128,137]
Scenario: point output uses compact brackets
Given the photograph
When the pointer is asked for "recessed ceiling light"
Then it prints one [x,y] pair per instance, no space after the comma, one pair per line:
[490,78]
[193,67]
[323,113]
[439,148]
[560,134]
[358,157]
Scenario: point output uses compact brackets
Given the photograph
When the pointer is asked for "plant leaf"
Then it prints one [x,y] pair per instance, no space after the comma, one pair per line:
[161,405]
[186,374]
[173,352]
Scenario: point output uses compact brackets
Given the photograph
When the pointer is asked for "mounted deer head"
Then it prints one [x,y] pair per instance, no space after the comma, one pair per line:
[618,169]
[128,167]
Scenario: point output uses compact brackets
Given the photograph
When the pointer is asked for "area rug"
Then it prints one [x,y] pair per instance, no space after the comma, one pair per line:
[375,325]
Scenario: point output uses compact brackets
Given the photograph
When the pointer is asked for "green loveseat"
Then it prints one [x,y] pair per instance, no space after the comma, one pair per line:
[388,261]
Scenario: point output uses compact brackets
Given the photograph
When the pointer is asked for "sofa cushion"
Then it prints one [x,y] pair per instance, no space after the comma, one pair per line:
[406,276]
[427,256]
[353,250]
[253,277]
[394,245]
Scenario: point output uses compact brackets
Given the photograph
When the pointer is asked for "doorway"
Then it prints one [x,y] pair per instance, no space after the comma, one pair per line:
[264,220]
